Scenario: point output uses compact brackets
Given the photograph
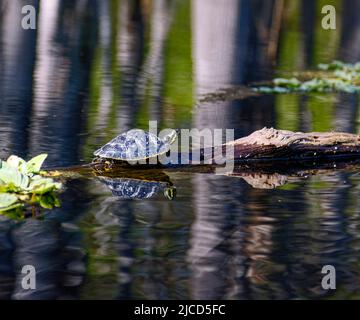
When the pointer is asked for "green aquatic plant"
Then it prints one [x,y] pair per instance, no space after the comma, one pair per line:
[22,184]
[336,76]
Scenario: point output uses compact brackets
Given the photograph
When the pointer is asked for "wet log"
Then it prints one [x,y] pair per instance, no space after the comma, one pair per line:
[269,144]
[264,151]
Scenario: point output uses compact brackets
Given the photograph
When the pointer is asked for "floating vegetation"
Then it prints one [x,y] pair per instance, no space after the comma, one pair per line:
[22,185]
[334,77]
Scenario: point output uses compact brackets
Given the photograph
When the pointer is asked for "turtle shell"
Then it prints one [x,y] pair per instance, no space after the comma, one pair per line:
[134,188]
[135,144]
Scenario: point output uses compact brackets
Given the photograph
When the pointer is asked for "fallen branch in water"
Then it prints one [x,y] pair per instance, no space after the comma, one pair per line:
[267,158]
[270,144]
[267,147]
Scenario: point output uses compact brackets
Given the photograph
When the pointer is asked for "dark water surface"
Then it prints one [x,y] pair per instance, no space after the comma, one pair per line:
[93,69]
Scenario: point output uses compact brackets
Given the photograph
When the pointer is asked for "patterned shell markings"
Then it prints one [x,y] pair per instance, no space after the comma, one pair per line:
[135,144]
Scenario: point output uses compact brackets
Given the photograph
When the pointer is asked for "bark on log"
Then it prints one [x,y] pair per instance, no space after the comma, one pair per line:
[271,144]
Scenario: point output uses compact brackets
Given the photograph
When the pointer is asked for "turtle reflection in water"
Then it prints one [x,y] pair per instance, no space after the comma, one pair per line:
[139,187]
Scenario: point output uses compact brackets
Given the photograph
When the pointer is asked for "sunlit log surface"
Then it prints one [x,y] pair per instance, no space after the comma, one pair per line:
[272,144]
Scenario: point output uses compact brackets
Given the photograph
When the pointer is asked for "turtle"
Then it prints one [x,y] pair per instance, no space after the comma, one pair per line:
[135,145]
[126,188]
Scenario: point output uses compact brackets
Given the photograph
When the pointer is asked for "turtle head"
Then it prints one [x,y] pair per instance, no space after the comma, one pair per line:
[171,136]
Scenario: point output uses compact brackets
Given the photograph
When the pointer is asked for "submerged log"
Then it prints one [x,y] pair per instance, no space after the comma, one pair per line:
[260,175]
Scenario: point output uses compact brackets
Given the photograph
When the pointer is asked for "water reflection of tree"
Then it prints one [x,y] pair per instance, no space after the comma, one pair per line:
[17,56]
[40,115]
[64,52]
[95,68]
[221,55]
[326,221]
[217,72]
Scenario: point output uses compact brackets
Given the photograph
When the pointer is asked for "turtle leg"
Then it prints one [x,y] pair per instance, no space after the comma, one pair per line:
[170,193]
[108,165]
[100,165]
[104,165]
